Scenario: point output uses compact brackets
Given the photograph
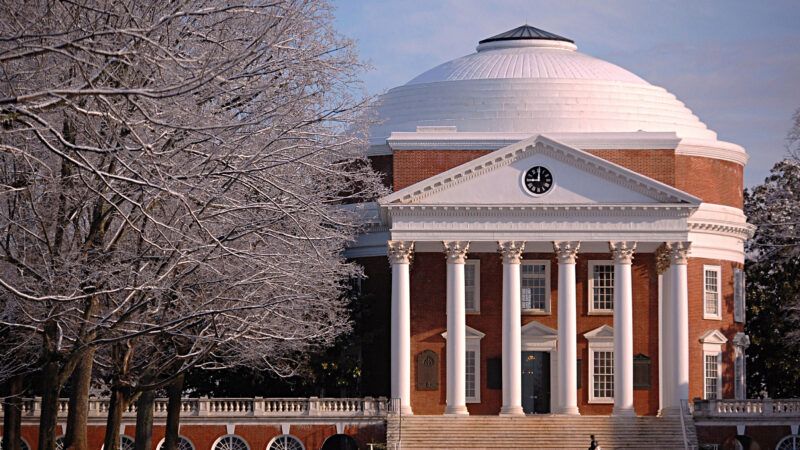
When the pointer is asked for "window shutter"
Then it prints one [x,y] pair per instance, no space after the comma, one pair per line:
[494,373]
[738,296]
[579,370]
[641,372]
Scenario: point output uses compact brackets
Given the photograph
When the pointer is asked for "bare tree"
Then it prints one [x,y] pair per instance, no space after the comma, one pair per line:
[172,176]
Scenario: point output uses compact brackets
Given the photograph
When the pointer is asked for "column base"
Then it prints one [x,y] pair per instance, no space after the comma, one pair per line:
[405,410]
[514,410]
[623,412]
[460,410]
[568,411]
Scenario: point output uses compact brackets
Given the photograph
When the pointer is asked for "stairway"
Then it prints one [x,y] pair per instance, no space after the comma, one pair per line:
[537,432]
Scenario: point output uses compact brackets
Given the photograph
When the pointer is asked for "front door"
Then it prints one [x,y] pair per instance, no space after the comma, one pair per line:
[536,382]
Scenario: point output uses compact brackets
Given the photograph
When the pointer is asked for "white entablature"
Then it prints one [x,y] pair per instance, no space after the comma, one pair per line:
[591,199]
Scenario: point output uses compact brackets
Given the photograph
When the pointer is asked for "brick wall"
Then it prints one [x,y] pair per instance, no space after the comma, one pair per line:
[714,181]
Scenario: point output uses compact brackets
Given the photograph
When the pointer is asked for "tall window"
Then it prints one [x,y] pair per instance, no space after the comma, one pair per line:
[470,384]
[472,285]
[535,286]
[603,375]
[601,286]
[712,375]
[711,292]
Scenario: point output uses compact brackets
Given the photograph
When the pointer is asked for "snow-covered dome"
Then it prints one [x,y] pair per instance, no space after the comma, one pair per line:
[531,81]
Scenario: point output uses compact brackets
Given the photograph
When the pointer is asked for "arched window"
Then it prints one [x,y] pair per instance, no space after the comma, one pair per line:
[22,443]
[125,443]
[285,442]
[340,442]
[183,444]
[791,442]
[230,442]
[60,443]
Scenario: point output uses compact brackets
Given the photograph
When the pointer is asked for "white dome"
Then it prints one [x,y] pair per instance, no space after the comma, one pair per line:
[530,81]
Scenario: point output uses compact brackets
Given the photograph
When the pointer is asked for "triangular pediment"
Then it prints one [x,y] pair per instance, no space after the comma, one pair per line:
[537,330]
[602,333]
[578,178]
[470,333]
[713,337]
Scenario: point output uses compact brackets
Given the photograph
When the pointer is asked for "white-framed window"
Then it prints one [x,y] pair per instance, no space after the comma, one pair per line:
[535,287]
[601,287]
[285,442]
[601,364]
[712,295]
[712,375]
[183,444]
[791,442]
[739,296]
[713,342]
[230,442]
[472,285]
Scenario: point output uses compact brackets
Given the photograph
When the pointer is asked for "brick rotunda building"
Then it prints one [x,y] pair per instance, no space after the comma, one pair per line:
[563,237]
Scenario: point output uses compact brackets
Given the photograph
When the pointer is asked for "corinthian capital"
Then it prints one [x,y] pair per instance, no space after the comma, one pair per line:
[455,251]
[679,252]
[622,251]
[400,252]
[567,251]
[511,251]
[662,259]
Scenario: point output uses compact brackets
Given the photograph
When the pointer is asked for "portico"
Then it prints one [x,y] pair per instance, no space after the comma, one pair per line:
[594,207]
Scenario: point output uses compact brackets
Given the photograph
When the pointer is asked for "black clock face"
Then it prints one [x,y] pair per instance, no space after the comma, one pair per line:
[538,180]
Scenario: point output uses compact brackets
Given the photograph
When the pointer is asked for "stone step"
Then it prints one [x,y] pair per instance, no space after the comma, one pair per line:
[557,432]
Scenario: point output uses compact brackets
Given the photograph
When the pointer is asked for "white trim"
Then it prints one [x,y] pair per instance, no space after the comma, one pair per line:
[272,441]
[476,288]
[590,284]
[547,292]
[600,339]
[718,270]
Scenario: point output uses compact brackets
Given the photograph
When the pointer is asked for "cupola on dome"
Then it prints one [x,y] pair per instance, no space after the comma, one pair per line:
[527,80]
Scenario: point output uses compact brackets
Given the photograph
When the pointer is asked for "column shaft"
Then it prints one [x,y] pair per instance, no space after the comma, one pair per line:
[512,329]
[667,354]
[400,258]
[456,329]
[567,328]
[623,328]
[680,322]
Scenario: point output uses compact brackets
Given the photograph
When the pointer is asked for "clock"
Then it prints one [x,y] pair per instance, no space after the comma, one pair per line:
[538,180]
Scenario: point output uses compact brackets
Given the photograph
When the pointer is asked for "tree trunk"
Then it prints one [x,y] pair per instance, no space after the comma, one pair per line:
[77,418]
[144,420]
[114,422]
[49,413]
[174,392]
[12,414]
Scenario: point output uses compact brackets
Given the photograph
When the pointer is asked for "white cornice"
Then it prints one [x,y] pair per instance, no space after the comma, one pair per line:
[680,210]
[428,139]
[541,144]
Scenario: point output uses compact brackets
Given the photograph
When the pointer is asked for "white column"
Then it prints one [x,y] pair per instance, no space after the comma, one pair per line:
[456,328]
[400,257]
[664,337]
[567,328]
[623,328]
[512,329]
[679,291]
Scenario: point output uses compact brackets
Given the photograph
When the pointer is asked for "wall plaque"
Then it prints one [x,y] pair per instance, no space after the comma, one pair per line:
[427,371]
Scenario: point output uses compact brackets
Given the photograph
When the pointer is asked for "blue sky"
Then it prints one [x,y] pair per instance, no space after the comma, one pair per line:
[735,64]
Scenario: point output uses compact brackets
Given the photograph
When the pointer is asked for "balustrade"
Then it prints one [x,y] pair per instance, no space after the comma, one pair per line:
[727,408]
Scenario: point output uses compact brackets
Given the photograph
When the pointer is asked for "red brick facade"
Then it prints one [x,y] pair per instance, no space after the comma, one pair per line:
[713,180]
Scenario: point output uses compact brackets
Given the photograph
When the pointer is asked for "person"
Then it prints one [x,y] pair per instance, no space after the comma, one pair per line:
[594,445]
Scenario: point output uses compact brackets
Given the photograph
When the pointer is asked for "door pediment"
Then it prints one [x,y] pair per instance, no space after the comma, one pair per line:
[578,178]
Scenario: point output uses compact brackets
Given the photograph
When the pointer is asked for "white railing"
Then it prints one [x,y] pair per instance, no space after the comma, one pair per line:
[725,408]
[236,407]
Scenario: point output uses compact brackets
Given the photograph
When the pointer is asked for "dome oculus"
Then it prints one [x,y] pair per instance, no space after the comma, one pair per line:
[538,180]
